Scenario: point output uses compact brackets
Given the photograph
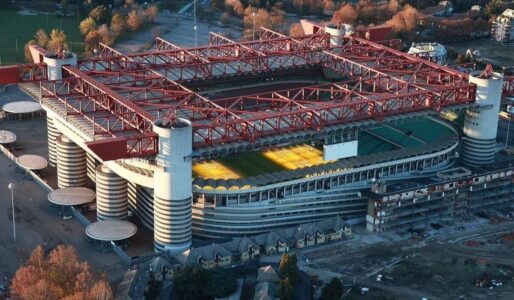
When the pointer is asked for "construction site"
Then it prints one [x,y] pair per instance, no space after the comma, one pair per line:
[462,259]
[237,139]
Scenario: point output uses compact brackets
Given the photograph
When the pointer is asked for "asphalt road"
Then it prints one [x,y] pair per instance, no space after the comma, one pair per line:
[37,223]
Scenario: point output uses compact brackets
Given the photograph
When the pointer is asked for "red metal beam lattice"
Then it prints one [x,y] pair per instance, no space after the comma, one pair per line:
[121,95]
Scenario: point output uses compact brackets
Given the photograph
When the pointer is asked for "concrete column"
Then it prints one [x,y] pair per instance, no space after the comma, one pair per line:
[481,123]
[91,166]
[173,187]
[71,163]
[111,195]
[54,63]
[52,134]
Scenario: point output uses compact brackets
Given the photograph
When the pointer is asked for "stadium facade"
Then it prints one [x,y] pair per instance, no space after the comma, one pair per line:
[252,158]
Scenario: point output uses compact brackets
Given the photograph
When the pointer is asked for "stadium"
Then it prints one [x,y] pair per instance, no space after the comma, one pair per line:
[241,138]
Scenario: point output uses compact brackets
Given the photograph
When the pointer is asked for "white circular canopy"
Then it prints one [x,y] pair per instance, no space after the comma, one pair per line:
[7,137]
[111,230]
[22,107]
[72,196]
[32,162]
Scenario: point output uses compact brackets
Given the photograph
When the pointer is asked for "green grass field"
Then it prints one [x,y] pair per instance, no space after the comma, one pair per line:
[251,164]
[415,135]
[14,26]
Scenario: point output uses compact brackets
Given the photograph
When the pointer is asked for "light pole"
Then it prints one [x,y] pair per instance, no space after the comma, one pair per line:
[510,109]
[11,187]
[253,28]
[194,23]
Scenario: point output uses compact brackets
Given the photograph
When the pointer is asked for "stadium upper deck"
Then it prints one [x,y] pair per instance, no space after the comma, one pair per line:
[118,97]
[416,134]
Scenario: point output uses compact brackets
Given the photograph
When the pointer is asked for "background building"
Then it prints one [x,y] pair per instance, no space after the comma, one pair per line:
[502,29]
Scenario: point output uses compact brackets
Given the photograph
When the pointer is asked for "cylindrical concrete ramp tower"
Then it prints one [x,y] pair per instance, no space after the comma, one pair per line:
[336,34]
[52,134]
[173,186]
[111,195]
[71,163]
[55,62]
[481,123]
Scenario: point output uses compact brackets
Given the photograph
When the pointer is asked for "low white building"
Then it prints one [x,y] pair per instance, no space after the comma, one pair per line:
[430,51]
[502,29]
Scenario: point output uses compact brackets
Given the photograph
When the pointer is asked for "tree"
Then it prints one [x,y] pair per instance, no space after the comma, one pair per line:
[92,39]
[393,6]
[100,14]
[134,20]
[198,283]
[496,7]
[117,24]
[332,290]
[100,291]
[221,283]
[87,25]
[188,283]
[151,13]
[288,267]
[405,20]
[345,14]
[328,5]
[58,41]
[26,51]
[106,36]
[41,38]
[274,20]
[60,275]
[286,289]
[235,7]
[296,30]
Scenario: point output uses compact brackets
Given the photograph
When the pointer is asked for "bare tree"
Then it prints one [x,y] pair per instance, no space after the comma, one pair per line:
[405,20]
[151,13]
[60,275]
[106,35]
[117,23]
[262,18]
[58,41]
[87,25]
[345,14]
[41,38]
[134,20]
[296,30]
[235,6]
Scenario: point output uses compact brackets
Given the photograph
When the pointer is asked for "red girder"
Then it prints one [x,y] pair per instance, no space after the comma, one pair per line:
[130,122]
[121,95]
[225,59]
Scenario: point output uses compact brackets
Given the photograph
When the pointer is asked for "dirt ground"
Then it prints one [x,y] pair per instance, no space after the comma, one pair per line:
[175,29]
[496,53]
[444,266]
